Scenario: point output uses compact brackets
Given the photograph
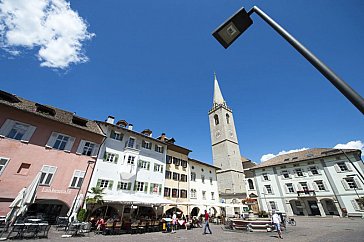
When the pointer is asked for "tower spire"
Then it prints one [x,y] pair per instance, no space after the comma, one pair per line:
[218,99]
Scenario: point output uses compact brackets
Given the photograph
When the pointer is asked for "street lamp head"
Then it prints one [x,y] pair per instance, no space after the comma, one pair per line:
[231,29]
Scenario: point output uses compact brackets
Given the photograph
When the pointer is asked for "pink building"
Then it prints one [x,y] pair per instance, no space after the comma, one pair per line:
[35,137]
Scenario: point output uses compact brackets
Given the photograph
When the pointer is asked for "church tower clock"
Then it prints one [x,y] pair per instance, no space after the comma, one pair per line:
[225,150]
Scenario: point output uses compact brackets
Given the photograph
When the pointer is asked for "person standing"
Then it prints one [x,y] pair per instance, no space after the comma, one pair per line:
[174,222]
[276,220]
[207,216]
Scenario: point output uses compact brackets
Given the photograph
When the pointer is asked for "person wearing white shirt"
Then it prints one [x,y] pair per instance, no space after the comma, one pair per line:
[276,220]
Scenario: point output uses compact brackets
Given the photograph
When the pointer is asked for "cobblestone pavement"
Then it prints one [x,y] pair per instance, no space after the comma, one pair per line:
[307,229]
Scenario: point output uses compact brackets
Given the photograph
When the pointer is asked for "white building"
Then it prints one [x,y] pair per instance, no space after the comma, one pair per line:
[203,186]
[311,182]
[130,168]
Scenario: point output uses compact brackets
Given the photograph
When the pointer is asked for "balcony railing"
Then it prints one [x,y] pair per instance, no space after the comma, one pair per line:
[306,193]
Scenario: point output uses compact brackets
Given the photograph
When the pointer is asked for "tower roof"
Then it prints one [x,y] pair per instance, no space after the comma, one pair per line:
[218,99]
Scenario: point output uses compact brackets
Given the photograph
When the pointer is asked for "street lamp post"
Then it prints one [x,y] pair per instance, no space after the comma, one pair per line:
[265,201]
[231,29]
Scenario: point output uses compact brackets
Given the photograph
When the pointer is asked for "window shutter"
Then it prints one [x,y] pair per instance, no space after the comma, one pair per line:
[337,168]
[295,173]
[294,188]
[299,187]
[146,187]
[110,185]
[80,147]
[7,126]
[262,177]
[95,150]
[345,184]
[357,181]
[29,133]
[355,205]
[310,172]
[135,185]
[271,188]
[52,139]
[151,187]
[69,144]
[148,165]
[98,183]
[105,155]
[116,158]
[129,185]
[160,189]
[265,190]
[286,188]
[326,186]
[119,186]
[276,205]
[318,170]
[315,187]
[348,165]
[161,169]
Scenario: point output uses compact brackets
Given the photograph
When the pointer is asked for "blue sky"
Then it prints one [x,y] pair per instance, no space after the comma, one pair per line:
[152,63]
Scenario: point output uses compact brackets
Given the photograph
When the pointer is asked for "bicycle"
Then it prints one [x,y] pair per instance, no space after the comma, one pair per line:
[291,221]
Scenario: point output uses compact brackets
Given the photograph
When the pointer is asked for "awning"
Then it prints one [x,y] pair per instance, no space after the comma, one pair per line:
[137,199]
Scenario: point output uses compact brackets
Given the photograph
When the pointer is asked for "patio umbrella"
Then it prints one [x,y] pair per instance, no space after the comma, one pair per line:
[72,213]
[14,207]
[29,195]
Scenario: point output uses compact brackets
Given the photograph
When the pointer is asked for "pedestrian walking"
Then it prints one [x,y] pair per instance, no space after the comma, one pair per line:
[276,220]
[174,222]
[207,226]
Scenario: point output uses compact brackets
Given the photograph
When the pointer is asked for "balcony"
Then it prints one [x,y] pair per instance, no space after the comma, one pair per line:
[306,193]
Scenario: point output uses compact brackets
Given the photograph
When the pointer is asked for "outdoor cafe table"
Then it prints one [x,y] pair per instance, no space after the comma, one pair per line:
[21,228]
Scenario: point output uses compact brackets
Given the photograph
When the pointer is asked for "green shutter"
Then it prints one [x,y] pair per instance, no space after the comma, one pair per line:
[146,187]
[129,185]
[148,165]
[119,185]
[116,158]
[105,155]
[160,189]
[98,183]
[135,185]
[110,185]
[151,187]
[139,163]
[161,169]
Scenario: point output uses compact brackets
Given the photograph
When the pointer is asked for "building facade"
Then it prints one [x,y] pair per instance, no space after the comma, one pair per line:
[39,138]
[203,187]
[314,182]
[226,153]
[130,169]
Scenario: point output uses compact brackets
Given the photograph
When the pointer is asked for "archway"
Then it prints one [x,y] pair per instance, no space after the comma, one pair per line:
[105,212]
[195,211]
[178,211]
[329,206]
[297,207]
[48,209]
[213,211]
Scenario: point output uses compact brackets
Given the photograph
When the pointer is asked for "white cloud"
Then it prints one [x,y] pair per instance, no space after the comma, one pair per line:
[49,26]
[270,156]
[351,145]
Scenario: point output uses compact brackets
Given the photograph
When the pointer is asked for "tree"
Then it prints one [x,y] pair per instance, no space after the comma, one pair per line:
[95,198]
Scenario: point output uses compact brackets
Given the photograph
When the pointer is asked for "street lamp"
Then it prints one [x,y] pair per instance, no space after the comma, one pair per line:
[265,200]
[231,29]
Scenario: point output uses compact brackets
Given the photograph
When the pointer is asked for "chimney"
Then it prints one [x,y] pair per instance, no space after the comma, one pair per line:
[110,120]
[130,127]
[163,137]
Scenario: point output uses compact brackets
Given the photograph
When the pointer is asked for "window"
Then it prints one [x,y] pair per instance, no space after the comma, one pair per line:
[124,185]
[193,176]
[285,174]
[102,183]
[351,183]
[251,184]
[131,160]
[303,186]
[212,196]
[47,174]
[169,159]
[342,166]
[183,178]
[320,185]
[193,193]
[290,188]
[141,186]
[116,135]
[144,164]
[272,205]
[268,189]
[176,161]
[216,118]
[77,179]
[155,188]
[158,168]
[23,169]
[159,149]
[17,130]
[176,176]
[167,192]
[210,180]
[131,142]
[175,192]
[184,163]
[360,204]
[313,170]
[168,175]
[299,172]
[227,118]
[61,142]
[204,195]
[183,193]
[265,177]
[111,157]
[88,148]
[146,145]
[3,163]
[203,178]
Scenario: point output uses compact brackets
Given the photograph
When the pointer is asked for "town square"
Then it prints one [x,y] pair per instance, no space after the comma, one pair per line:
[181,121]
